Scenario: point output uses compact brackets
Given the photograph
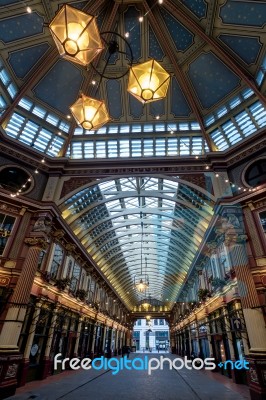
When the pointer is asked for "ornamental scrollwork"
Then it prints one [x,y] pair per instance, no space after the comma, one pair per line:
[37,242]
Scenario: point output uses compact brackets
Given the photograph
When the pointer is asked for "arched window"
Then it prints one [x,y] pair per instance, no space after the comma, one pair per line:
[256,173]
[15,179]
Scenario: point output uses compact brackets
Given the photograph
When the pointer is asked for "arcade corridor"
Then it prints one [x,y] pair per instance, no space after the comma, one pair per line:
[134,385]
[133,196]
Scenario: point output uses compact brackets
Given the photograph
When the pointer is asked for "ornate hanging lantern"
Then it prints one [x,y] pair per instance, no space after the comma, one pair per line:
[148,81]
[90,113]
[76,35]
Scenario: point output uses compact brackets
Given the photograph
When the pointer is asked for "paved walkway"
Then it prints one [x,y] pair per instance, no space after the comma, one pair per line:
[134,385]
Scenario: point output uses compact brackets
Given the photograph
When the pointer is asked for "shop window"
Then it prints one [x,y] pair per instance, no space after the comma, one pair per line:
[40,337]
[256,173]
[57,261]
[6,225]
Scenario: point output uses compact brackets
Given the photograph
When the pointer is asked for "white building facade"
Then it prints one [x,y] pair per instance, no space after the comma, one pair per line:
[151,335]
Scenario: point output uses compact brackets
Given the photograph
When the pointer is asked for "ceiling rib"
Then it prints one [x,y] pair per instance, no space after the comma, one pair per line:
[232,63]
[156,23]
[39,71]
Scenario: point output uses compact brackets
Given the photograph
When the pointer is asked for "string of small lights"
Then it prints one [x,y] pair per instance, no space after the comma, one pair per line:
[36,171]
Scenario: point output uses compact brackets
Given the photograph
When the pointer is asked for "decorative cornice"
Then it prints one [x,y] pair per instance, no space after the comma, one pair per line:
[41,243]
[58,234]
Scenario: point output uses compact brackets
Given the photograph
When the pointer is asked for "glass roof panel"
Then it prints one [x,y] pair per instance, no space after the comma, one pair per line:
[140,218]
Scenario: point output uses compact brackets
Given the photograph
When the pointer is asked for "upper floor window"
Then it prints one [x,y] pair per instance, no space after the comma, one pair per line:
[57,261]
[15,179]
[75,278]
[6,225]
[41,259]
[263,220]
[155,322]
[161,321]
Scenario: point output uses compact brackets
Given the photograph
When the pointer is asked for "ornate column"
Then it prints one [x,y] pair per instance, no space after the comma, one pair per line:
[9,350]
[232,233]
[16,313]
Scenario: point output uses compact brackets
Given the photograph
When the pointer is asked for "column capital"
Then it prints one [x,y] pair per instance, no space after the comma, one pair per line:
[58,234]
[39,242]
[210,248]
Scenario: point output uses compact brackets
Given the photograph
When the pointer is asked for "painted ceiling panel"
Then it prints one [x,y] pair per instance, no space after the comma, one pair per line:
[179,104]
[20,27]
[131,17]
[157,108]
[198,7]
[181,36]
[247,48]
[212,80]
[250,13]
[59,88]
[155,50]
[136,108]
[23,60]
[113,88]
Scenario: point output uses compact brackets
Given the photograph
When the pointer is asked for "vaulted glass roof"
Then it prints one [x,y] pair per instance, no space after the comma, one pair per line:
[124,221]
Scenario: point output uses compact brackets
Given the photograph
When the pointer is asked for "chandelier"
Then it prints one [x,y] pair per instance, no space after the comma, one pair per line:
[77,38]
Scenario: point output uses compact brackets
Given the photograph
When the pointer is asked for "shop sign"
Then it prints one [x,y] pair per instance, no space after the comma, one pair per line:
[236,324]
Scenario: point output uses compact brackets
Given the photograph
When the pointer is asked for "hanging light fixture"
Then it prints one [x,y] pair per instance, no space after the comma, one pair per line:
[146,303]
[78,39]
[76,35]
[148,81]
[90,113]
[141,281]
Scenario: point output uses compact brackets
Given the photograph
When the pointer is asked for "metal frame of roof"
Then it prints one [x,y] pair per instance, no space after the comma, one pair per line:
[119,208]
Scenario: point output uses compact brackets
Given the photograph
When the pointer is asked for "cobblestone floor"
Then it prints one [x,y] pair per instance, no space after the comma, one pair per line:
[134,385]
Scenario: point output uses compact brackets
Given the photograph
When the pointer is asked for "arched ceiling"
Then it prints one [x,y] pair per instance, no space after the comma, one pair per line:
[136,226]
